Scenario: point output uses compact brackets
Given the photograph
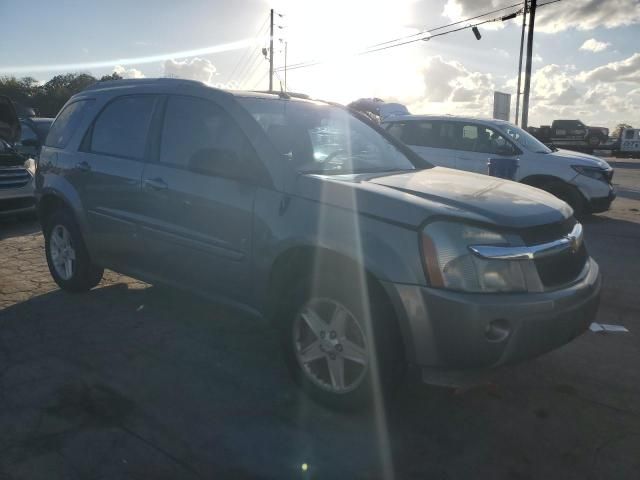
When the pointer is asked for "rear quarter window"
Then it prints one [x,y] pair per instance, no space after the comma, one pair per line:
[66,123]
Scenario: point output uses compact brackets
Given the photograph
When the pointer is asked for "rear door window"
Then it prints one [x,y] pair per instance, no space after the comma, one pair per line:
[415,133]
[121,128]
[66,123]
[447,135]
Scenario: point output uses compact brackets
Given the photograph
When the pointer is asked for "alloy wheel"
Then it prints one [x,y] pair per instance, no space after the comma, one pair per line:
[63,254]
[330,345]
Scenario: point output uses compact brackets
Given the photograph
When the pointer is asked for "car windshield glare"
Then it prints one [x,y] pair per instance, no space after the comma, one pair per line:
[525,139]
[325,139]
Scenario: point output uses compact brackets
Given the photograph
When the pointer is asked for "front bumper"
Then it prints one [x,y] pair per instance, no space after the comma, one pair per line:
[17,200]
[447,330]
[602,204]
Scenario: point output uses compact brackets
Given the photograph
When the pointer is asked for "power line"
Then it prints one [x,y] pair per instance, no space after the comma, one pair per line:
[445,26]
[246,54]
[249,69]
[424,35]
[250,61]
[255,67]
[264,75]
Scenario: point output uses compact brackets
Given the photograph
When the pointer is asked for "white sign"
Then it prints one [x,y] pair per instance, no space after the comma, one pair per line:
[501,105]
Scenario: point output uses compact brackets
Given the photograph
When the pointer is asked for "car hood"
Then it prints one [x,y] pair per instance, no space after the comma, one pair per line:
[577,158]
[9,123]
[412,197]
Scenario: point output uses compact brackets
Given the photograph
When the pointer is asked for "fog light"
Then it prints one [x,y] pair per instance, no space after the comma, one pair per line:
[497,330]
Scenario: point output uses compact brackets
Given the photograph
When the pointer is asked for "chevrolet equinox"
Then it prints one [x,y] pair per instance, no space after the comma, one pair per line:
[366,258]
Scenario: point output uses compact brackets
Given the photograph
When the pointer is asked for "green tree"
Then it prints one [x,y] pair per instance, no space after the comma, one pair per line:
[618,130]
[113,76]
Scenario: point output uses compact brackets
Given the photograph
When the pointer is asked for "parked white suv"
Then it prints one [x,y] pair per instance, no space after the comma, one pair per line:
[583,181]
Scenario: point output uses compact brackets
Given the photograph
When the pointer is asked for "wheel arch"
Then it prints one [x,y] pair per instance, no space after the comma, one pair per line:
[298,263]
[60,195]
[540,180]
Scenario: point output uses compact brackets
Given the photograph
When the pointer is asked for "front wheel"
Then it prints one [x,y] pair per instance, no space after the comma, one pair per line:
[570,195]
[67,256]
[594,141]
[342,348]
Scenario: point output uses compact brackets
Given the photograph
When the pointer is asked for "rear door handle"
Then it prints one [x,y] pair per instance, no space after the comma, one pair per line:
[156,184]
[83,166]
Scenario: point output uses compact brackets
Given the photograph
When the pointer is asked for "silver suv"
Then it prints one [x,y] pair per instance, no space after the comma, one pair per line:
[365,257]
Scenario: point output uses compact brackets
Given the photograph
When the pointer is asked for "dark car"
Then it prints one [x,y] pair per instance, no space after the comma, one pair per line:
[364,257]
[16,169]
[571,133]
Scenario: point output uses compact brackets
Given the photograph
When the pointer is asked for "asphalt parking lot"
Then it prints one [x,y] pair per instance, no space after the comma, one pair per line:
[136,381]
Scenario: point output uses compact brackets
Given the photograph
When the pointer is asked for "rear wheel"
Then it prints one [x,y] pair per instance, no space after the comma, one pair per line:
[67,256]
[341,347]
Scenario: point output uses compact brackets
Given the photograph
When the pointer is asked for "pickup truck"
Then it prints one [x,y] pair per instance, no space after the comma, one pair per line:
[570,133]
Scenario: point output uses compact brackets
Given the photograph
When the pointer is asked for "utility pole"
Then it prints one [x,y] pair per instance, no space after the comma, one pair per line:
[524,23]
[527,75]
[271,54]
[286,45]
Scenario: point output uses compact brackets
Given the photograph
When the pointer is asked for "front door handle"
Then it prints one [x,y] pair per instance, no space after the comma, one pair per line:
[83,166]
[156,184]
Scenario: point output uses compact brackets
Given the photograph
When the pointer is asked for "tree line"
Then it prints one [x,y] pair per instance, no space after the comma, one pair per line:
[48,98]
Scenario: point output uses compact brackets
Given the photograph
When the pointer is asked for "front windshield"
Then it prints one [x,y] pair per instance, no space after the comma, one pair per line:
[320,138]
[525,139]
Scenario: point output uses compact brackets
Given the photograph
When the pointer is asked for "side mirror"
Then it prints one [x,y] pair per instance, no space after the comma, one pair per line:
[30,142]
[506,150]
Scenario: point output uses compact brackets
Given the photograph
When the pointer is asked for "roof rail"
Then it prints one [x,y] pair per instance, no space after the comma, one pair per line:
[283,94]
[124,82]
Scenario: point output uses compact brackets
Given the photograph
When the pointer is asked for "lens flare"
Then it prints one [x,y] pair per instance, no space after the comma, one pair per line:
[211,49]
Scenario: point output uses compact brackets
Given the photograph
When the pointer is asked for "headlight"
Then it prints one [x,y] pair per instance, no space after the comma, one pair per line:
[450,264]
[592,172]
[30,165]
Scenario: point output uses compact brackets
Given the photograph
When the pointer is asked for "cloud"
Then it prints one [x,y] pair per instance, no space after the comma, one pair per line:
[627,70]
[593,45]
[578,14]
[196,68]
[128,72]
[449,87]
[501,52]
[605,95]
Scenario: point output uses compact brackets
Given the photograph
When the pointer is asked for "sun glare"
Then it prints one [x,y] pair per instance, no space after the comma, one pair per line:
[335,32]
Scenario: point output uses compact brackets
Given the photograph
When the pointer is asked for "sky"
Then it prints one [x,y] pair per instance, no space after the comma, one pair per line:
[586,52]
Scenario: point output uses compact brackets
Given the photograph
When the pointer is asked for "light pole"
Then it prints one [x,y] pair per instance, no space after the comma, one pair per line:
[271,53]
[527,75]
[524,24]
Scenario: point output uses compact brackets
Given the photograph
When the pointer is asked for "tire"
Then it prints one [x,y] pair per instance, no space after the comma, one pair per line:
[594,141]
[570,195]
[379,339]
[63,242]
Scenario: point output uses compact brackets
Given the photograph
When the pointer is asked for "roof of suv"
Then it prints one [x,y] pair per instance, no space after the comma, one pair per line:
[111,85]
[404,118]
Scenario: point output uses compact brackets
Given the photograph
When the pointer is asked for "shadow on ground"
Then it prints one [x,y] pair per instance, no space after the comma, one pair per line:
[151,383]
[15,226]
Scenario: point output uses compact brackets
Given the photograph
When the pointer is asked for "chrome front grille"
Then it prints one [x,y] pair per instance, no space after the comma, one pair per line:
[13,177]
